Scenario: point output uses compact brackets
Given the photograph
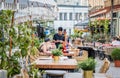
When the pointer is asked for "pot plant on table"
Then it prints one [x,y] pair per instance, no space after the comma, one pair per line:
[88,66]
[56,53]
[116,56]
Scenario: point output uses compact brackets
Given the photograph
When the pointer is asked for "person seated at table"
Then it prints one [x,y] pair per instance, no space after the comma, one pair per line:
[45,47]
[115,41]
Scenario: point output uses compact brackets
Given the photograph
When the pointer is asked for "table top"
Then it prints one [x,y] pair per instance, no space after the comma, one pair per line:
[80,75]
[65,63]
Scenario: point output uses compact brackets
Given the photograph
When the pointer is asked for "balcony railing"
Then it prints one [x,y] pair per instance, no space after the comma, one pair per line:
[96,8]
[12,6]
[108,2]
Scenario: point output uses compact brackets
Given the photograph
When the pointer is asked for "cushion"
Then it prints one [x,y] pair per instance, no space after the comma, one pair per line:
[55,72]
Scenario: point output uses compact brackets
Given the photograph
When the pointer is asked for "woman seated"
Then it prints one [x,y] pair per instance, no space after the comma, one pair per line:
[46,47]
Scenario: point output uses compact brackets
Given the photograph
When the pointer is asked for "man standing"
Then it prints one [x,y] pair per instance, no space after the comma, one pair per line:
[58,37]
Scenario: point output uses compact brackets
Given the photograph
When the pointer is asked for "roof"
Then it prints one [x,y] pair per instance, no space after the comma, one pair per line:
[77,6]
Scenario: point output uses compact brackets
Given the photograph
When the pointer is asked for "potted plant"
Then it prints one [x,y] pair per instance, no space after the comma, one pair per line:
[88,66]
[116,56]
[56,53]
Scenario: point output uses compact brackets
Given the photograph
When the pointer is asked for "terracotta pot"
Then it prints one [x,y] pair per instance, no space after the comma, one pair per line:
[56,58]
[117,63]
[88,74]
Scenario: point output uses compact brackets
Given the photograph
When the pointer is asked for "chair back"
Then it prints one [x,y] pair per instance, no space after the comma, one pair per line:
[84,56]
[105,66]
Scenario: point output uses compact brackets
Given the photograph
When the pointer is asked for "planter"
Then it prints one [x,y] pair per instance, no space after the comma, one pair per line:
[56,58]
[117,63]
[88,74]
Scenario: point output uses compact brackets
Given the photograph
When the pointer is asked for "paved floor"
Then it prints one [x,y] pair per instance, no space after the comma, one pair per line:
[113,71]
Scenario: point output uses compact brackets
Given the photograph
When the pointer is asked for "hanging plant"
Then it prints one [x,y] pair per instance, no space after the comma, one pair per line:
[95,25]
[106,24]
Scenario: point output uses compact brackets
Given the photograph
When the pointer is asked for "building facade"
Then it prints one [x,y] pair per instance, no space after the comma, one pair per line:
[70,14]
[101,9]
[72,2]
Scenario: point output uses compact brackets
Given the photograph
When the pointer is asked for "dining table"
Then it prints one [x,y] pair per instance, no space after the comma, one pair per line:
[63,64]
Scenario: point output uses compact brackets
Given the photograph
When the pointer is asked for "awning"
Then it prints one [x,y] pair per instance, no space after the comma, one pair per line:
[32,13]
[84,23]
[38,9]
[104,10]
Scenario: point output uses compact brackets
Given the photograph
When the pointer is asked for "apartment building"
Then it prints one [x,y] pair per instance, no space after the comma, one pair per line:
[101,9]
[70,12]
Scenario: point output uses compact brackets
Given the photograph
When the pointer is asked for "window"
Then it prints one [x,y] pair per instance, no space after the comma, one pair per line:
[61,16]
[85,15]
[76,16]
[65,16]
[80,16]
[55,0]
[70,16]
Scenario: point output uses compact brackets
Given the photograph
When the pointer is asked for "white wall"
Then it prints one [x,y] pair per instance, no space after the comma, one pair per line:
[73,2]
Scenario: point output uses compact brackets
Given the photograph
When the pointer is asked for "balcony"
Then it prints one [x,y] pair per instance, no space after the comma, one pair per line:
[96,8]
[11,6]
[108,2]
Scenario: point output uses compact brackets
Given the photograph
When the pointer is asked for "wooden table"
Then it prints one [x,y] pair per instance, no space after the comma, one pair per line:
[66,64]
[80,75]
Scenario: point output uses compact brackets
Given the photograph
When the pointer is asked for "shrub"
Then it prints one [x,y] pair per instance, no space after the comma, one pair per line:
[88,64]
[116,54]
[56,52]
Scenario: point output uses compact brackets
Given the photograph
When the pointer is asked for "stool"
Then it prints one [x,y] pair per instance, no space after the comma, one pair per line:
[55,73]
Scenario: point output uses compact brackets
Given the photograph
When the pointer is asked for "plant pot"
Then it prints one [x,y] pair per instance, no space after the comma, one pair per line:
[117,63]
[88,74]
[56,58]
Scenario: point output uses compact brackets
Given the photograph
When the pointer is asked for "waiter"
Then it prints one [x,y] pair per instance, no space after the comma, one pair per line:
[58,38]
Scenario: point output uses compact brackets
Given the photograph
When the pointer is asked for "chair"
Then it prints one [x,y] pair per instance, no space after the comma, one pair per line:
[108,52]
[105,66]
[84,56]
[55,73]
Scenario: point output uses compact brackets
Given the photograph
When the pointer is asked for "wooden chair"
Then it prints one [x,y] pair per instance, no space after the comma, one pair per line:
[24,74]
[32,58]
[84,56]
[105,66]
